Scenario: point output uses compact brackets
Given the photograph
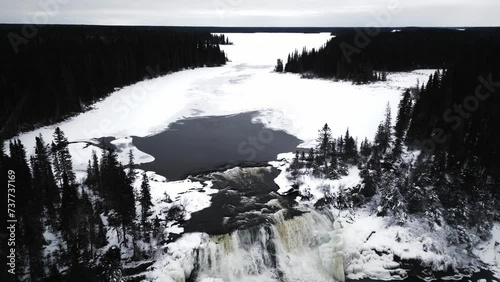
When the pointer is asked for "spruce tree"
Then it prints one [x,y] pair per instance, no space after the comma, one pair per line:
[324,144]
[311,157]
[96,174]
[69,204]
[379,140]
[383,137]
[388,127]
[340,146]
[295,165]
[366,148]
[131,166]
[43,179]
[347,145]
[279,66]
[296,161]
[29,218]
[350,148]
[145,202]
[62,157]
[90,177]
[117,189]
[402,122]
[333,155]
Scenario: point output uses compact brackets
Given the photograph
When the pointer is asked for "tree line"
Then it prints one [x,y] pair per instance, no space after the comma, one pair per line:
[353,55]
[64,69]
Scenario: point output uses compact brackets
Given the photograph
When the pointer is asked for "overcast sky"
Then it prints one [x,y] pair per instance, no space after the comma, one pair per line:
[254,12]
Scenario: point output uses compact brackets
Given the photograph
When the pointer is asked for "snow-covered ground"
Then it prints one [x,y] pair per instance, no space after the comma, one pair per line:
[191,196]
[370,243]
[315,187]
[489,252]
[247,83]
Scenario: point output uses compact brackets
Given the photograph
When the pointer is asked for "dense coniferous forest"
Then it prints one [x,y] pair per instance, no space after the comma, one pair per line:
[453,118]
[53,201]
[363,55]
[50,72]
[453,179]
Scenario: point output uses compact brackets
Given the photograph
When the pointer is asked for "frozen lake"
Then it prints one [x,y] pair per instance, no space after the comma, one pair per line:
[198,144]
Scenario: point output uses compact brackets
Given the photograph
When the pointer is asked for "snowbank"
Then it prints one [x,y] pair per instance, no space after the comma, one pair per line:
[489,252]
[193,196]
[309,184]
[178,261]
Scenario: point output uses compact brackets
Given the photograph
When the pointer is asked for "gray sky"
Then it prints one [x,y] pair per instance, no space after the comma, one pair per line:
[254,12]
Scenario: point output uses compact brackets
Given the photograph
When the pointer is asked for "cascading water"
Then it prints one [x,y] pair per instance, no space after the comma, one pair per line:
[306,248]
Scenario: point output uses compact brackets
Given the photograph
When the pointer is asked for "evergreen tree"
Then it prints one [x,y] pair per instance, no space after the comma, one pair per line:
[145,202]
[43,179]
[350,148]
[311,157]
[30,236]
[333,155]
[90,177]
[131,166]
[89,236]
[62,157]
[295,165]
[84,236]
[69,204]
[93,174]
[279,66]
[366,148]
[379,140]
[383,137]
[324,145]
[346,153]
[117,189]
[402,122]
[388,127]
[296,161]
[96,174]
[340,146]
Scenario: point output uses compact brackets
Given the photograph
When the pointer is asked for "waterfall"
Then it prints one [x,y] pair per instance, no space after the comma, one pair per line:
[306,248]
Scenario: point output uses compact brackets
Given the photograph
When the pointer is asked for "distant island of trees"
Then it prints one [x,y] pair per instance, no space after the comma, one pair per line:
[356,56]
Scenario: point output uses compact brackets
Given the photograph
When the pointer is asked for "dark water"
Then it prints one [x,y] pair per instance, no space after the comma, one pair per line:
[198,144]
[242,201]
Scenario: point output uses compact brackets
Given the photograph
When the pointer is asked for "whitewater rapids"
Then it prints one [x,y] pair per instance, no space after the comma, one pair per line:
[306,248]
